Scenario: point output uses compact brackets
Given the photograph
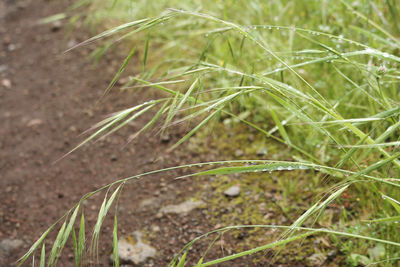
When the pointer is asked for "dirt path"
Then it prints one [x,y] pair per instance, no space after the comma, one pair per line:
[46,100]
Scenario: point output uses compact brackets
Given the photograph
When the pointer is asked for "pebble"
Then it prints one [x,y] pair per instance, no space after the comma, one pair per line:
[149,204]
[6,40]
[34,123]
[316,259]
[56,25]
[262,207]
[71,43]
[239,153]
[11,47]
[133,250]
[232,191]
[165,138]
[261,152]
[123,81]
[8,245]
[73,129]
[332,254]
[3,68]
[155,228]
[182,208]
[6,83]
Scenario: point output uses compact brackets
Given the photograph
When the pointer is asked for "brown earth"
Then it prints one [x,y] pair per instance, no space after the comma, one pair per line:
[47,98]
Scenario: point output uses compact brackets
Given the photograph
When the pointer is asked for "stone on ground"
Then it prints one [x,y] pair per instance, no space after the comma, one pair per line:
[8,245]
[132,250]
[232,191]
[182,208]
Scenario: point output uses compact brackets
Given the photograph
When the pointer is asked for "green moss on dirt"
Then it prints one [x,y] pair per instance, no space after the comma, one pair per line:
[276,198]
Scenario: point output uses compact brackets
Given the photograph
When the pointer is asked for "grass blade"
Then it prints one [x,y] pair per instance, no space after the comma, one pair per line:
[81,237]
[115,242]
[56,245]
[43,256]
[120,71]
[182,261]
[257,249]
[75,248]
[34,247]
[394,202]
[194,130]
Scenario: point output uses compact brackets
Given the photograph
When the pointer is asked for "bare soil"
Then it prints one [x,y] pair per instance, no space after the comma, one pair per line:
[48,99]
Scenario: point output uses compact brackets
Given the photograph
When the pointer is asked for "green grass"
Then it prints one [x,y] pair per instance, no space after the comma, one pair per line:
[319,77]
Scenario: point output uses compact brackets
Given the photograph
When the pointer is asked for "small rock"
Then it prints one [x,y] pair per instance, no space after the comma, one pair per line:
[34,123]
[269,215]
[71,43]
[149,204]
[6,83]
[182,208]
[217,226]
[22,5]
[332,254]
[232,191]
[165,138]
[3,68]
[155,228]
[262,207]
[123,81]
[316,259]
[11,47]
[8,245]
[113,158]
[261,152]
[56,25]
[133,250]
[73,129]
[6,40]
[250,137]
[239,153]
[89,113]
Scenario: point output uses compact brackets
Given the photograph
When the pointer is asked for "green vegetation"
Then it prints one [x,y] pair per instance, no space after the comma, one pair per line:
[319,77]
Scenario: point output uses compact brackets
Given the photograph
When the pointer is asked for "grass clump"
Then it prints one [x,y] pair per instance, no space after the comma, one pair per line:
[321,78]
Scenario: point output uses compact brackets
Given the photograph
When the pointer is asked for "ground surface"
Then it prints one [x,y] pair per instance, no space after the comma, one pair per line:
[47,99]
